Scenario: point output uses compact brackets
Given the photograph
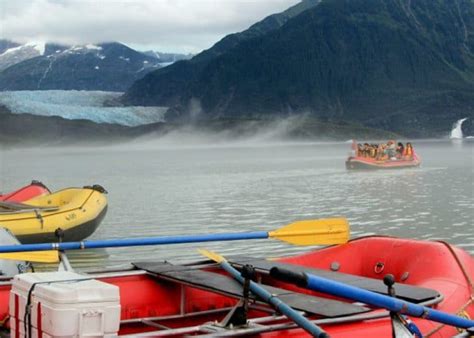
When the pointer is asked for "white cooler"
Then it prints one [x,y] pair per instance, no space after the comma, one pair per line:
[64,304]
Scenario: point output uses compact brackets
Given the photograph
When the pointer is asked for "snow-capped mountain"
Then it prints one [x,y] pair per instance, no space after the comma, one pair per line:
[106,66]
[6,44]
[14,53]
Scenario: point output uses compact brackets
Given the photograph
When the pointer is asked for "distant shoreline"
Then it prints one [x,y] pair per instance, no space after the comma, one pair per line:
[71,117]
[33,130]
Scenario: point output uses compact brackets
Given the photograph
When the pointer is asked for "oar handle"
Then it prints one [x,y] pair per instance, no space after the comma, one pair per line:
[289,276]
[334,288]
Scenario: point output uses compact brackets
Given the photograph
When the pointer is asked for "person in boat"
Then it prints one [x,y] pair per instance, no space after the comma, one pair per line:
[391,150]
[372,149]
[360,150]
[377,148]
[380,152]
[408,153]
[400,150]
[386,151]
[365,152]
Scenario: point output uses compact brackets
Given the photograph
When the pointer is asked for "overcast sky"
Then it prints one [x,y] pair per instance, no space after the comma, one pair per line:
[164,25]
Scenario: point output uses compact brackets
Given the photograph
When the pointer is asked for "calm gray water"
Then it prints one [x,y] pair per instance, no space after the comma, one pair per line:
[162,189]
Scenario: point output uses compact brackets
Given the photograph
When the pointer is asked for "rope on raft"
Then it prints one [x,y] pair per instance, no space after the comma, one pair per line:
[469,280]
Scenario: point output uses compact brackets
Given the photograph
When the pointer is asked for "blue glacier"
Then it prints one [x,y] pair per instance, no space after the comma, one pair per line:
[75,104]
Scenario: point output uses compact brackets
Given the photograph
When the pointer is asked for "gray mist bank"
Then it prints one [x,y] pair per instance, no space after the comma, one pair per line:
[31,130]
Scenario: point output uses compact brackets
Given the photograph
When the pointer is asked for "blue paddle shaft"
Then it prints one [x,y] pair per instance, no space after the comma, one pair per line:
[300,320]
[393,304]
[111,243]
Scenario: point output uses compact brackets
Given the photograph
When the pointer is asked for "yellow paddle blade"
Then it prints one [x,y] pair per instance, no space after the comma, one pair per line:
[211,255]
[50,256]
[314,232]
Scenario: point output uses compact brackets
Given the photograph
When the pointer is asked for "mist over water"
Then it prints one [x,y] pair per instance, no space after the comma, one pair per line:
[199,185]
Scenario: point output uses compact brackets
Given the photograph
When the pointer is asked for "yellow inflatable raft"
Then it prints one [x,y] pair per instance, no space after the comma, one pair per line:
[76,211]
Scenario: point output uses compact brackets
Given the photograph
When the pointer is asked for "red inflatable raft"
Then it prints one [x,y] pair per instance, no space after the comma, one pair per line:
[162,299]
[354,163]
[27,192]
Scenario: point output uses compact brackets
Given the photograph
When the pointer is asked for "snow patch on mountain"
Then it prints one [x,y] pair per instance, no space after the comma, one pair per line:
[85,48]
[74,105]
[39,46]
[165,64]
[15,55]
[89,46]
[167,58]
[11,50]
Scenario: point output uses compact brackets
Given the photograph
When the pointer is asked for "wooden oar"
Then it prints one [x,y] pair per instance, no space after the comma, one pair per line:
[339,289]
[309,232]
[266,296]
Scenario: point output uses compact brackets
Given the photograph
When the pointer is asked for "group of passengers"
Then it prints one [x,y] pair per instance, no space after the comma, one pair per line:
[384,151]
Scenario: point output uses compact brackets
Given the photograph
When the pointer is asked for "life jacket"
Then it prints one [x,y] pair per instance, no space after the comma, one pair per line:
[408,151]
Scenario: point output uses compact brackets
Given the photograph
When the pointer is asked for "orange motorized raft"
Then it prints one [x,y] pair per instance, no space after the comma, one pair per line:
[354,163]
[382,156]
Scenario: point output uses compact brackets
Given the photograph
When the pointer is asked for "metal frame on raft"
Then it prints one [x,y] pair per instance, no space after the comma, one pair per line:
[255,325]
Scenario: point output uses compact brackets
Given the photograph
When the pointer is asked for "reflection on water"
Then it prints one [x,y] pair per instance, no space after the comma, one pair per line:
[189,190]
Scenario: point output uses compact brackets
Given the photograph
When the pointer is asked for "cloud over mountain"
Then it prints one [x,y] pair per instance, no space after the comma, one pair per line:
[179,25]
